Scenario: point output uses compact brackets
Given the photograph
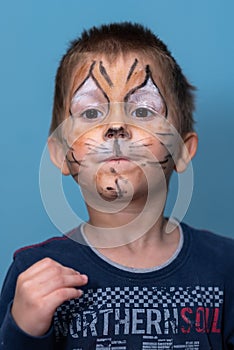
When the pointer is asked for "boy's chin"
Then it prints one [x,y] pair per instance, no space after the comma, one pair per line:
[111,188]
[108,188]
[121,182]
[120,191]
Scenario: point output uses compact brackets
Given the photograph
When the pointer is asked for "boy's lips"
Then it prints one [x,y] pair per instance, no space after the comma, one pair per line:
[117,164]
[116,159]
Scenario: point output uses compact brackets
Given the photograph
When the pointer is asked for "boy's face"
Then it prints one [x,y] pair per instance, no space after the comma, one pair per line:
[119,139]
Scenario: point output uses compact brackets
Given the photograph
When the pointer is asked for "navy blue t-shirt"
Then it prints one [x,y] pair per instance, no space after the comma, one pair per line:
[188,303]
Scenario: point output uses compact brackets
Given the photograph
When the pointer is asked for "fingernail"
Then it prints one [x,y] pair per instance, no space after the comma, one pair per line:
[84,278]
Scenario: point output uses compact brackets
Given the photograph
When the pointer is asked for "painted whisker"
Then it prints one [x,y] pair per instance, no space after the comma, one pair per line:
[94,146]
[142,145]
[100,153]
[136,155]
[92,140]
[158,162]
[94,151]
[145,138]
[164,134]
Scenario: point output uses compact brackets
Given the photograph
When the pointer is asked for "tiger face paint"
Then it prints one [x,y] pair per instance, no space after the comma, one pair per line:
[118,135]
[91,100]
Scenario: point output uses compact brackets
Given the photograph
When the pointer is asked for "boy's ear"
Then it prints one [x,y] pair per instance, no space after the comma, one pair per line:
[57,155]
[187,151]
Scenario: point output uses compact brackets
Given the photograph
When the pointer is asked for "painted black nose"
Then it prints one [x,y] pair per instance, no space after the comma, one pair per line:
[116,133]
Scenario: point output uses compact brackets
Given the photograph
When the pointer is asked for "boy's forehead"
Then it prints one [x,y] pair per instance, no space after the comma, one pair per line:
[115,76]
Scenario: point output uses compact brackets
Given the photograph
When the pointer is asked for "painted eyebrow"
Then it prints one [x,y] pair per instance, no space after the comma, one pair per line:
[148,75]
[90,74]
[104,73]
[132,69]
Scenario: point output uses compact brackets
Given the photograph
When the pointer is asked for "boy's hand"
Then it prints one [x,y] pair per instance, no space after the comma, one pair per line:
[40,290]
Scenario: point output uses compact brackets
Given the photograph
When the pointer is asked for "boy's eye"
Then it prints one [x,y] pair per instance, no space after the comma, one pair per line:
[92,114]
[142,112]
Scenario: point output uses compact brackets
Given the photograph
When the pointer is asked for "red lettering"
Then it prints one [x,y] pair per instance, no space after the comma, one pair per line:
[207,315]
[206,320]
[184,311]
[215,328]
[200,324]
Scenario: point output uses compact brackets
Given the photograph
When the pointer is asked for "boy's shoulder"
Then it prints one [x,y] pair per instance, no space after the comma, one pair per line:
[60,248]
[46,244]
[210,246]
[204,236]
[56,242]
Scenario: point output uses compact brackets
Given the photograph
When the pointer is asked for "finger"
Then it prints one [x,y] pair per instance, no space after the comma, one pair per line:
[44,283]
[39,266]
[57,281]
[49,277]
[60,281]
[46,265]
[56,298]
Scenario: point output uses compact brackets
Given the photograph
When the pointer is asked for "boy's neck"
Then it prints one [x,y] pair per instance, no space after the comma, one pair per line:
[131,227]
[142,250]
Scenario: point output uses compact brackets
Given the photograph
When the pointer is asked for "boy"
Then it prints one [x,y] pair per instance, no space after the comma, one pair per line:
[128,278]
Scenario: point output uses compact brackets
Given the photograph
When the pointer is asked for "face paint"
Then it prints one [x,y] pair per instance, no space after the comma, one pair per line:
[111,142]
[148,98]
[132,69]
[89,102]
[105,74]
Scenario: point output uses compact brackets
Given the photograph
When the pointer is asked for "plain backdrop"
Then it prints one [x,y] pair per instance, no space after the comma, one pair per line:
[33,37]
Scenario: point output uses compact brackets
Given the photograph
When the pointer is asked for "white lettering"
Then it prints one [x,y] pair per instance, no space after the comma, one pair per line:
[125,321]
[106,320]
[136,321]
[153,322]
[89,322]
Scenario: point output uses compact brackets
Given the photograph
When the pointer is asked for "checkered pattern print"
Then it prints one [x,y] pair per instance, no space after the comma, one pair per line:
[144,297]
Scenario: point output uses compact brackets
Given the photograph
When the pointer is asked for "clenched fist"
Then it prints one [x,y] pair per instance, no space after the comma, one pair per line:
[40,290]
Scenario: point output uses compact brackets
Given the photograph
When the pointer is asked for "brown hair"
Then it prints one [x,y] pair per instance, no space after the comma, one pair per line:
[122,38]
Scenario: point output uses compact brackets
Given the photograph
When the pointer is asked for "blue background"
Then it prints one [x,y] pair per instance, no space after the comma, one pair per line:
[33,37]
